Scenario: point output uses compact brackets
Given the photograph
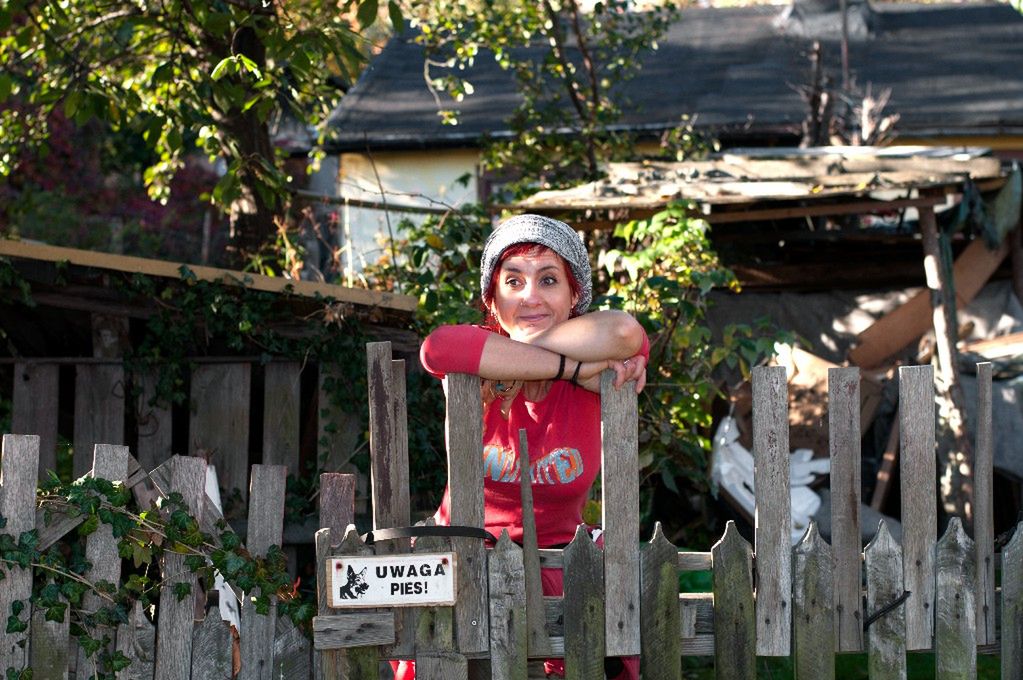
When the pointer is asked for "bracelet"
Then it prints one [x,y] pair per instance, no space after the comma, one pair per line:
[575,374]
[561,367]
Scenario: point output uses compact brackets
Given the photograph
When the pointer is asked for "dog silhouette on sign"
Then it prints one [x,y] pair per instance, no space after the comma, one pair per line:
[356,585]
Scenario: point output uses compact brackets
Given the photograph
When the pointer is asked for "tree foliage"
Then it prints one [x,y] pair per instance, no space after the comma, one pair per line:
[183,74]
[569,66]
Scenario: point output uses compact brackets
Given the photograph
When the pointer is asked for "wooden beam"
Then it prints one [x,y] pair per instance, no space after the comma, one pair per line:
[140,265]
[898,328]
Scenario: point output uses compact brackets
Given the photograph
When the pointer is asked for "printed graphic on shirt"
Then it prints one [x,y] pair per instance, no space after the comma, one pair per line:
[560,466]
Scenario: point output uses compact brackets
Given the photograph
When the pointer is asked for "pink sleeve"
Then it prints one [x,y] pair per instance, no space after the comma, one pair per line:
[453,349]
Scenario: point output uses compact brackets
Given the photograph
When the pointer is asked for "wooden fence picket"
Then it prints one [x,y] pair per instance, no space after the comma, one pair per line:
[174,630]
[955,614]
[337,512]
[136,640]
[773,511]
[436,658]
[735,628]
[153,421]
[212,648]
[983,510]
[583,608]
[539,643]
[844,445]
[813,607]
[920,528]
[35,407]
[464,427]
[282,383]
[508,630]
[50,649]
[659,610]
[99,411]
[1012,607]
[619,443]
[19,466]
[886,636]
[219,426]
[109,462]
[266,526]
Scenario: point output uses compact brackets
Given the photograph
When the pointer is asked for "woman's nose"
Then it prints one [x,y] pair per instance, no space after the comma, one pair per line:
[530,293]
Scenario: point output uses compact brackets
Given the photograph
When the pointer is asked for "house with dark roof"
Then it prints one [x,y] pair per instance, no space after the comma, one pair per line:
[953,71]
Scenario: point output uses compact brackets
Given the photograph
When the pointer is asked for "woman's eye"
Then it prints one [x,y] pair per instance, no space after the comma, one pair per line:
[549,281]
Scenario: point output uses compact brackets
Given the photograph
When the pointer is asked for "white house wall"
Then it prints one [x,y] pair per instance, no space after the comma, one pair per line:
[425,178]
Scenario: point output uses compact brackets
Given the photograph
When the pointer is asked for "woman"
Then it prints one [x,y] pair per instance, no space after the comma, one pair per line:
[540,357]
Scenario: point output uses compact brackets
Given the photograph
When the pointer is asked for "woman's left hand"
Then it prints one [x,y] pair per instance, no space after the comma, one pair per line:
[633,368]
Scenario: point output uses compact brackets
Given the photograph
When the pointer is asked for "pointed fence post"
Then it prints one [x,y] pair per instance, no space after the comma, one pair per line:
[583,611]
[507,611]
[983,510]
[886,636]
[659,609]
[619,442]
[813,606]
[1012,607]
[19,468]
[539,643]
[266,525]
[464,426]
[735,653]
[917,464]
[955,613]
[436,658]
[108,462]
[177,615]
[773,511]
[844,441]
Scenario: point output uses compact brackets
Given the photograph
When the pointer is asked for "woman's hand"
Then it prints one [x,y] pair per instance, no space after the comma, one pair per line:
[633,368]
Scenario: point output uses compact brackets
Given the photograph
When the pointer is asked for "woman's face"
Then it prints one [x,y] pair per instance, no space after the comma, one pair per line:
[532,294]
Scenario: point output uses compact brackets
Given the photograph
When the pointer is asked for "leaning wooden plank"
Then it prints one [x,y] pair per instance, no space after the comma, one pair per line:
[18,469]
[177,594]
[619,443]
[583,613]
[955,615]
[920,524]
[50,646]
[99,411]
[154,422]
[1012,607]
[109,462]
[659,609]
[983,510]
[404,618]
[773,511]
[389,468]
[507,611]
[34,409]
[886,636]
[813,599]
[898,328]
[735,652]
[464,426]
[281,413]
[326,664]
[538,642]
[172,270]
[844,441]
[219,426]
[266,524]
[212,645]
[292,652]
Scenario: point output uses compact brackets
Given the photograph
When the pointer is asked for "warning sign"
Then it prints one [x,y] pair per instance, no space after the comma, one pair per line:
[392,580]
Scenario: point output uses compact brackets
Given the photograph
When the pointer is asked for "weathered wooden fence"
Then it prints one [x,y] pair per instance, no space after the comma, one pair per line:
[768,599]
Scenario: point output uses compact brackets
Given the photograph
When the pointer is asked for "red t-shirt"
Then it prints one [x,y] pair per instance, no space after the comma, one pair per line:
[563,434]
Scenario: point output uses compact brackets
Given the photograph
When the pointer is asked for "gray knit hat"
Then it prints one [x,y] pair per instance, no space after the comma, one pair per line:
[546,231]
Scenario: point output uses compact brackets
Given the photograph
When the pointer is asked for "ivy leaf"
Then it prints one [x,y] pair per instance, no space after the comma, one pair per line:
[182,590]
[367,13]
[397,20]
[16,625]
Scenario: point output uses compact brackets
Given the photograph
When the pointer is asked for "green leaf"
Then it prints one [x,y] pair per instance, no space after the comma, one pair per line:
[367,13]
[223,67]
[397,20]
[182,590]
[6,86]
